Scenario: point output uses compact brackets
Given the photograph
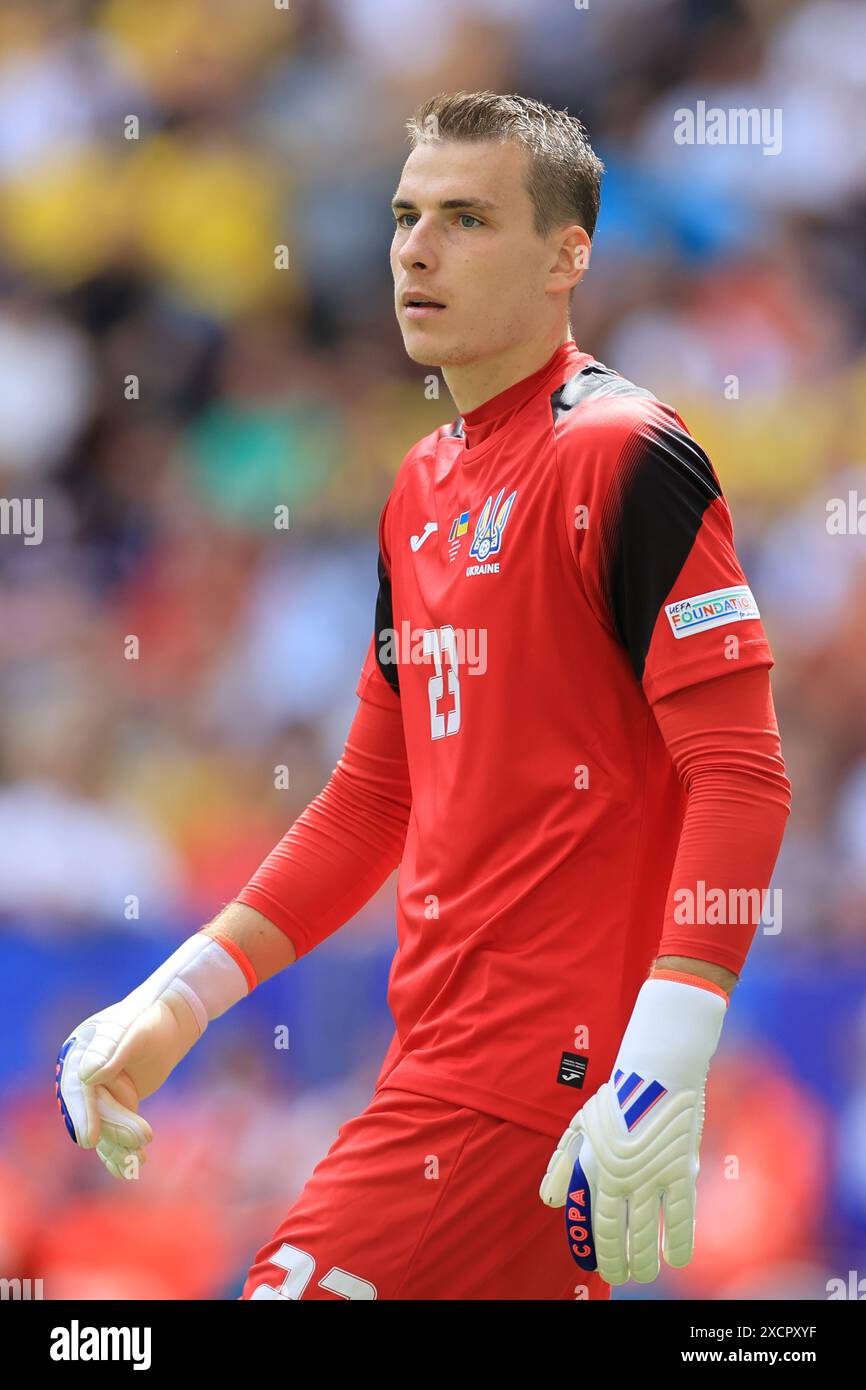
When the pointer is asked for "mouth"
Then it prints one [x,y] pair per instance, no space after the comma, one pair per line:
[420,307]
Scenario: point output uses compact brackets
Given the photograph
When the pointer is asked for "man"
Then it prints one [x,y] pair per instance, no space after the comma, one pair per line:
[565,738]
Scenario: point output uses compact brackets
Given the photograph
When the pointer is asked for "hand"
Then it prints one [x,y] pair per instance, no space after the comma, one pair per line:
[626,1167]
[117,1058]
[114,1060]
[618,1182]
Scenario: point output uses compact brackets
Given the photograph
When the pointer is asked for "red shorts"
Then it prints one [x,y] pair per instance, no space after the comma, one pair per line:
[420,1199]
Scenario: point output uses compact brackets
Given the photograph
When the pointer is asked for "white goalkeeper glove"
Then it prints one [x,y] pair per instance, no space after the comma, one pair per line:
[631,1154]
[122,1054]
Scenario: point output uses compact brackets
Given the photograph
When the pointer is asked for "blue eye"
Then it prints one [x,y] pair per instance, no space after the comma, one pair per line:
[463,217]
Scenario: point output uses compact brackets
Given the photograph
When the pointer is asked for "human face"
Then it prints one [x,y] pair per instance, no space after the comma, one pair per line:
[464,237]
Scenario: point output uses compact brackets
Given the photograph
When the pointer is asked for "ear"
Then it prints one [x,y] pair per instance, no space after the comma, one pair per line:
[571,262]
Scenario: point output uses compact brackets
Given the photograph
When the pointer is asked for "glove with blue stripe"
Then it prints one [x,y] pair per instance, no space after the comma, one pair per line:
[119,1056]
[629,1160]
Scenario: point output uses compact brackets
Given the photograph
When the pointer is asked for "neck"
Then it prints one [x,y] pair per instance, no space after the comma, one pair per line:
[473,383]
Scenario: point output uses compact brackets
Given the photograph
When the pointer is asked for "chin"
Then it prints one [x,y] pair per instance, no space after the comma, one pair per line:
[432,354]
[425,354]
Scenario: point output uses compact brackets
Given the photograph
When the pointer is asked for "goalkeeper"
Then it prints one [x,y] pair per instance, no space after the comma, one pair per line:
[562,818]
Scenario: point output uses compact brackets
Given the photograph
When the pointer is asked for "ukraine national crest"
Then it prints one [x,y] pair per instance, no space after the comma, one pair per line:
[491,524]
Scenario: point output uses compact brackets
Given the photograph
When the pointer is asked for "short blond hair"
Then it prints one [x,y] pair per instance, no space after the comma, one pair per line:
[564,177]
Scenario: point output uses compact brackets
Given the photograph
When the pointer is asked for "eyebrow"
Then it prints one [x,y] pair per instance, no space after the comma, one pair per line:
[482,203]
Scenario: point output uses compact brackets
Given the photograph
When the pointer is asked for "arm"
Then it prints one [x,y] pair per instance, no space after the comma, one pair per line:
[723,739]
[657,563]
[265,946]
[704,969]
[341,849]
[338,852]
[633,1149]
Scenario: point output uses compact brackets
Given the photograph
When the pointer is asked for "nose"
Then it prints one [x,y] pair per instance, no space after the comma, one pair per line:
[417,252]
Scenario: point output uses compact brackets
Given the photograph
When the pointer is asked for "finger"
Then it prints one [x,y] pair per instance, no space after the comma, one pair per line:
[610,1231]
[124,1091]
[121,1125]
[73,1101]
[554,1185]
[105,1055]
[115,1161]
[678,1237]
[644,1213]
[121,1162]
[578,1216]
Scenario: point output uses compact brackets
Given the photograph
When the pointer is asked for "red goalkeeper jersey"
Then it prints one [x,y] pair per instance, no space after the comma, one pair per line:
[551,564]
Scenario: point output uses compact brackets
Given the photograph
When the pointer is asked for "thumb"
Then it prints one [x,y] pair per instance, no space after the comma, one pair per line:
[106,1053]
[555,1183]
[578,1211]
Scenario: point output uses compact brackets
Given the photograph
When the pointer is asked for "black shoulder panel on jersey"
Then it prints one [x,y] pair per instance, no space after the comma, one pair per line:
[652,513]
[589,384]
[456,431]
[385,623]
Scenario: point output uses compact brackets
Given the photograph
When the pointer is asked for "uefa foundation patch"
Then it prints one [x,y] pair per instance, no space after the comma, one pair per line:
[704,611]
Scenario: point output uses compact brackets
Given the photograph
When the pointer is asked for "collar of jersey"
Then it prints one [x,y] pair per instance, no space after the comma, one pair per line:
[521,393]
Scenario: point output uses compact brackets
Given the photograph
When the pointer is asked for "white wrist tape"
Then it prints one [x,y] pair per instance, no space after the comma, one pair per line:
[672,1033]
[203,973]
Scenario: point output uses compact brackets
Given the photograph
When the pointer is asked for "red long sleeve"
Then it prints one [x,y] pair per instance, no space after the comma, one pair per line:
[723,738]
[349,839]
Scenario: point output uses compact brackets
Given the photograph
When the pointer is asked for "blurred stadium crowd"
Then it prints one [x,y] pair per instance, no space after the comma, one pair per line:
[164,386]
